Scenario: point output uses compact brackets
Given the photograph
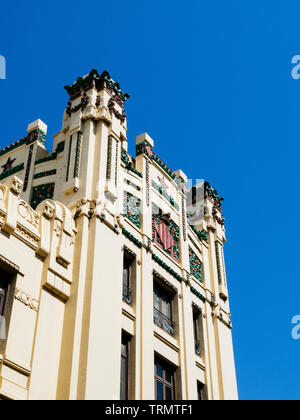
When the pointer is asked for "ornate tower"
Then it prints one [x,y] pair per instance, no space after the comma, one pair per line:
[121,290]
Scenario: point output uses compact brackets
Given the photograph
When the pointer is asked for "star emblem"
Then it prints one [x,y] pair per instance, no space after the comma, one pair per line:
[163,183]
[8,164]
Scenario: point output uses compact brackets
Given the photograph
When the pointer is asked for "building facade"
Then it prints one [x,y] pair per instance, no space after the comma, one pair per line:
[111,285]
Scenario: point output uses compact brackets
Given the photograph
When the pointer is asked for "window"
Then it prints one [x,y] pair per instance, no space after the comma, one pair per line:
[124,367]
[127,277]
[4,285]
[164,380]
[196,322]
[163,309]
[200,389]
[5,304]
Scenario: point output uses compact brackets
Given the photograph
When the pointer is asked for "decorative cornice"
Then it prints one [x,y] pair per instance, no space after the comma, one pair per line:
[167,268]
[99,82]
[201,234]
[161,191]
[132,238]
[128,164]
[212,195]
[36,135]
[198,294]
[165,282]
[83,104]
[9,263]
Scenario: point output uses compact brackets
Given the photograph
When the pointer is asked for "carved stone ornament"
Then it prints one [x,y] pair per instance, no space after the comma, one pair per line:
[2,191]
[16,185]
[27,213]
[48,210]
[27,299]
[58,228]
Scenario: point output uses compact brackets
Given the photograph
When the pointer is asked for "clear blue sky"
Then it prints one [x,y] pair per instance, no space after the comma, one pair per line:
[211,82]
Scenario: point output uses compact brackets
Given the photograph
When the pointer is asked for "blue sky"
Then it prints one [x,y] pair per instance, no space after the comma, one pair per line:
[211,82]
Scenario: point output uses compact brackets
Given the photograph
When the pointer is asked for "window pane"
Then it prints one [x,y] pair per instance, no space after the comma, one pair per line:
[125,276]
[156,301]
[123,379]
[159,391]
[165,308]
[124,349]
[159,370]
[195,328]
[169,393]
[1,305]
[168,376]
[200,391]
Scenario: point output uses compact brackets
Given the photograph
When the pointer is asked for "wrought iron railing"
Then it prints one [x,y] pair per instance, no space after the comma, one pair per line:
[127,294]
[164,322]
[197,347]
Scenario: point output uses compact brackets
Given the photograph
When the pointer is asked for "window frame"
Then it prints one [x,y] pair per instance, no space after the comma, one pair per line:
[200,391]
[125,341]
[198,331]
[165,383]
[5,295]
[127,280]
[164,292]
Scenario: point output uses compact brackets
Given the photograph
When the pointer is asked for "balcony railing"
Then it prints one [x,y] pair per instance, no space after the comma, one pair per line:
[197,347]
[127,294]
[164,322]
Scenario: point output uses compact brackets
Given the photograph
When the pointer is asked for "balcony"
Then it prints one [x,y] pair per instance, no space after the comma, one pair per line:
[127,295]
[197,348]
[164,322]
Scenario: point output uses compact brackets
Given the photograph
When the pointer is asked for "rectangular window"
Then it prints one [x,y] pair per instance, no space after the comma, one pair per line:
[3,295]
[196,322]
[163,309]
[200,388]
[124,368]
[164,380]
[5,280]
[127,277]
[6,297]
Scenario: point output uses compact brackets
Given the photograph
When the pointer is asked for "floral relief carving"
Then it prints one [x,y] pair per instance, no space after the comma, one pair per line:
[27,213]
[27,299]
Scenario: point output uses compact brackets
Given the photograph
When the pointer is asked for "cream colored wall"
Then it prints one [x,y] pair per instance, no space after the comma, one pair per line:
[68,346]
[45,366]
